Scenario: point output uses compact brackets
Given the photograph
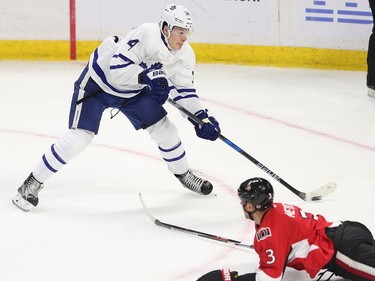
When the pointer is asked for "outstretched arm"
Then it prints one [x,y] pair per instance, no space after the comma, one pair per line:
[226,275]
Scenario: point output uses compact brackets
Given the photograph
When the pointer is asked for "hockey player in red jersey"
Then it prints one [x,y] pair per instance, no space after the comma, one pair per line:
[286,236]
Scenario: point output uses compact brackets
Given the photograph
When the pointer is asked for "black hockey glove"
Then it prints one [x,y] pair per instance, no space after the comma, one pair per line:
[210,130]
[220,275]
[154,77]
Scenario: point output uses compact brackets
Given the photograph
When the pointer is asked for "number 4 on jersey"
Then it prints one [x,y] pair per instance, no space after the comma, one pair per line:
[132,43]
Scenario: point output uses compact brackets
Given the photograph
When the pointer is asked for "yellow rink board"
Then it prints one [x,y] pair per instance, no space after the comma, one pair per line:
[205,53]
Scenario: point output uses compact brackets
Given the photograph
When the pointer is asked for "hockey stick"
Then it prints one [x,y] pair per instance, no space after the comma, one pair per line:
[310,196]
[191,231]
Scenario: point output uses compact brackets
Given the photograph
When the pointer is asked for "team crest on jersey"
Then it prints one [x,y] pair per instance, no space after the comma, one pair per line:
[143,65]
[263,233]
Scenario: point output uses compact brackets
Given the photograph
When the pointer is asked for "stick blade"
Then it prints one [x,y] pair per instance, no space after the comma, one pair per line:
[191,231]
[152,218]
[320,192]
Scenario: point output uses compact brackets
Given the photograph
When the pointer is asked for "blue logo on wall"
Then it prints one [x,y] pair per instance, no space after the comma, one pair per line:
[349,12]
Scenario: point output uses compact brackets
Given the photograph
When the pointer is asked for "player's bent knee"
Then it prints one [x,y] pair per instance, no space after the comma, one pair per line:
[73,143]
[164,130]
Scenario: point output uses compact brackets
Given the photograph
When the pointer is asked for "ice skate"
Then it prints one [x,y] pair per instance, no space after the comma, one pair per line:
[195,183]
[27,196]
[371,92]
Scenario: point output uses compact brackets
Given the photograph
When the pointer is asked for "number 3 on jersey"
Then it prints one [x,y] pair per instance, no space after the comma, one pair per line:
[271,257]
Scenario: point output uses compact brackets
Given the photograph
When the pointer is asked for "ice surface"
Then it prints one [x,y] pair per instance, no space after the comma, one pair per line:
[308,126]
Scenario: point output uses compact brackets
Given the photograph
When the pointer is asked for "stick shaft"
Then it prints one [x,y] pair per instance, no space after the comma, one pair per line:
[192,231]
[261,166]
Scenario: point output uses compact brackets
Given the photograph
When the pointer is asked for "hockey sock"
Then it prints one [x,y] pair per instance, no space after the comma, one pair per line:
[61,152]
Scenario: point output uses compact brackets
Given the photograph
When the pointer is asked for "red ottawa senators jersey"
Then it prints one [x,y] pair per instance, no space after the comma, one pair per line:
[288,236]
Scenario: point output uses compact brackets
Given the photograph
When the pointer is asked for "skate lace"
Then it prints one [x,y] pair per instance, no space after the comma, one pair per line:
[33,186]
[192,181]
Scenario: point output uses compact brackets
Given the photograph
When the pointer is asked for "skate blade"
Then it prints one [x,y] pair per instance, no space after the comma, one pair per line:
[22,204]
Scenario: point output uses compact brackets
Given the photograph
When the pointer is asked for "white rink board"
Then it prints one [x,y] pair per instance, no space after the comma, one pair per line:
[345,24]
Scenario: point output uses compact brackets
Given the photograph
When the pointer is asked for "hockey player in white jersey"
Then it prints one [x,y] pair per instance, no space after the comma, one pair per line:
[136,75]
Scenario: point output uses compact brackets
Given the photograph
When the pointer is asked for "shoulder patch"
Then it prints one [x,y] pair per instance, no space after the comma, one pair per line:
[289,210]
[263,233]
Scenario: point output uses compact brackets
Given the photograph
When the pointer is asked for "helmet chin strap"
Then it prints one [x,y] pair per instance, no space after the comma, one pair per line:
[165,37]
[169,34]
[249,214]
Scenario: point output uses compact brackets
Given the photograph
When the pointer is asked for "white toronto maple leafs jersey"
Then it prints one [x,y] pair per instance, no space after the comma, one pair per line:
[116,63]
